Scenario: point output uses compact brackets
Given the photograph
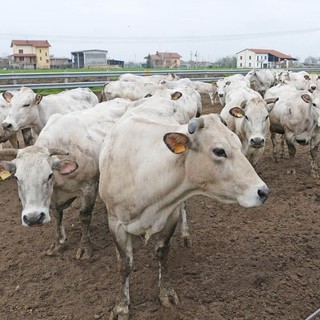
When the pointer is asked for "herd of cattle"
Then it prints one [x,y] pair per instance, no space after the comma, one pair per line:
[146,148]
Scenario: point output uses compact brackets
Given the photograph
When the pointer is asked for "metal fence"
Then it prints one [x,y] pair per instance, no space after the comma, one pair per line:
[66,80]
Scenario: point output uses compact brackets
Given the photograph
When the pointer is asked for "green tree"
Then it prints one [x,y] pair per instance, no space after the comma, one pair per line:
[149,62]
[227,62]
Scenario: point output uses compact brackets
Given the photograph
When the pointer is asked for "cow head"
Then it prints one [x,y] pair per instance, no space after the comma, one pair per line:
[23,111]
[34,169]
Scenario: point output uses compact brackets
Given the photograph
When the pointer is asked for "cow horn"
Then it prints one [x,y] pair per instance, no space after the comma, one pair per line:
[57,151]
[195,124]
[271,100]
[243,104]
[8,152]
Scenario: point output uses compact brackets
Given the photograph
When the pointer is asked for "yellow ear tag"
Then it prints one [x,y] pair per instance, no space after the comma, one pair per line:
[179,148]
[4,174]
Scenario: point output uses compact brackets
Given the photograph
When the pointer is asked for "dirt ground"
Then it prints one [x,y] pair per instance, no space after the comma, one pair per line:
[259,263]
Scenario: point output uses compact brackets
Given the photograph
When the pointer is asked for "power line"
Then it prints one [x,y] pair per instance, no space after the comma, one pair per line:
[148,39]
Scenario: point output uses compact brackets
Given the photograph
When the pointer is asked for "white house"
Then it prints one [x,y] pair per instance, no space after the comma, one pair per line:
[263,58]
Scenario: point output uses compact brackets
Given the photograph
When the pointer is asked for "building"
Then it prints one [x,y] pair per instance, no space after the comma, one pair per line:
[112,63]
[30,54]
[60,62]
[164,60]
[263,58]
[90,58]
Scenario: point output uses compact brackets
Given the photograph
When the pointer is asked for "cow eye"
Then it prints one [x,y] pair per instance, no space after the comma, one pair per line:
[50,176]
[219,152]
[16,178]
[267,117]
[26,105]
[246,117]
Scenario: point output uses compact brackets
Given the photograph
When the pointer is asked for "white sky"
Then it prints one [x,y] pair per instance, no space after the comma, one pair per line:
[130,30]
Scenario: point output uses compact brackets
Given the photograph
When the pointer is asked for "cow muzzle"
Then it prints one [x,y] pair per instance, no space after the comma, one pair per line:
[34,219]
[7,126]
[257,142]
[263,194]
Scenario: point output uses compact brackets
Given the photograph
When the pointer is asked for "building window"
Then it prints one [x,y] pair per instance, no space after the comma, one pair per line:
[20,51]
[240,57]
[46,54]
[240,64]
[257,58]
[47,61]
[40,50]
[40,58]
[21,59]
[249,64]
[249,57]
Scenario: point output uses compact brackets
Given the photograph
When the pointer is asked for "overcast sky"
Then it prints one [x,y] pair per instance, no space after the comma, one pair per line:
[131,29]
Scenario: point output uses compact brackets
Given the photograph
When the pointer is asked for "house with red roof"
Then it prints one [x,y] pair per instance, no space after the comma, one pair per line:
[263,58]
[30,54]
[165,60]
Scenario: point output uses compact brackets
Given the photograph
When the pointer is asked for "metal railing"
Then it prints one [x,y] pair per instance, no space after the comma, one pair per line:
[36,80]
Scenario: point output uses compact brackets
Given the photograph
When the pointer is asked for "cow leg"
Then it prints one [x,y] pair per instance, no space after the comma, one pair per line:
[27,136]
[59,244]
[314,164]
[124,250]
[274,146]
[167,295]
[185,235]
[281,150]
[14,141]
[292,152]
[291,148]
[85,250]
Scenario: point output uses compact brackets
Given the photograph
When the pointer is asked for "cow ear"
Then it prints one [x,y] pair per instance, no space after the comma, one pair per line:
[176,142]
[306,98]
[38,98]
[65,166]
[7,169]
[7,96]
[306,77]
[176,95]
[237,112]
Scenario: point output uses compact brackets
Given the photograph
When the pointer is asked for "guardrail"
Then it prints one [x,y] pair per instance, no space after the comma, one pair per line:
[19,79]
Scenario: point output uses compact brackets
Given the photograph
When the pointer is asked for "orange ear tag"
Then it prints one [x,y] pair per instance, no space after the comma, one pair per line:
[4,174]
[179,148]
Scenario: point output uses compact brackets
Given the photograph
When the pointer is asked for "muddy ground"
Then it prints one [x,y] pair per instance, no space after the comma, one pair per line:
[259,263]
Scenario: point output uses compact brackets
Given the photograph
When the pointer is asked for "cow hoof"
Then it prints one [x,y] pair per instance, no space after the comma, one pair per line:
[119,312]
[55,249]
[168,297]
[186,242]
[84,253]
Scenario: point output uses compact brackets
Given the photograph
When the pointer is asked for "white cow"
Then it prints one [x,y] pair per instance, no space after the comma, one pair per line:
[149,164]
[131,90]
[315,83]
[29,109]
[6,135]
[227,84]
[300,80]
[200,86]
[11,136]
[247,115]
[148,78]
[294,115]
[45,181]
[261,80]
